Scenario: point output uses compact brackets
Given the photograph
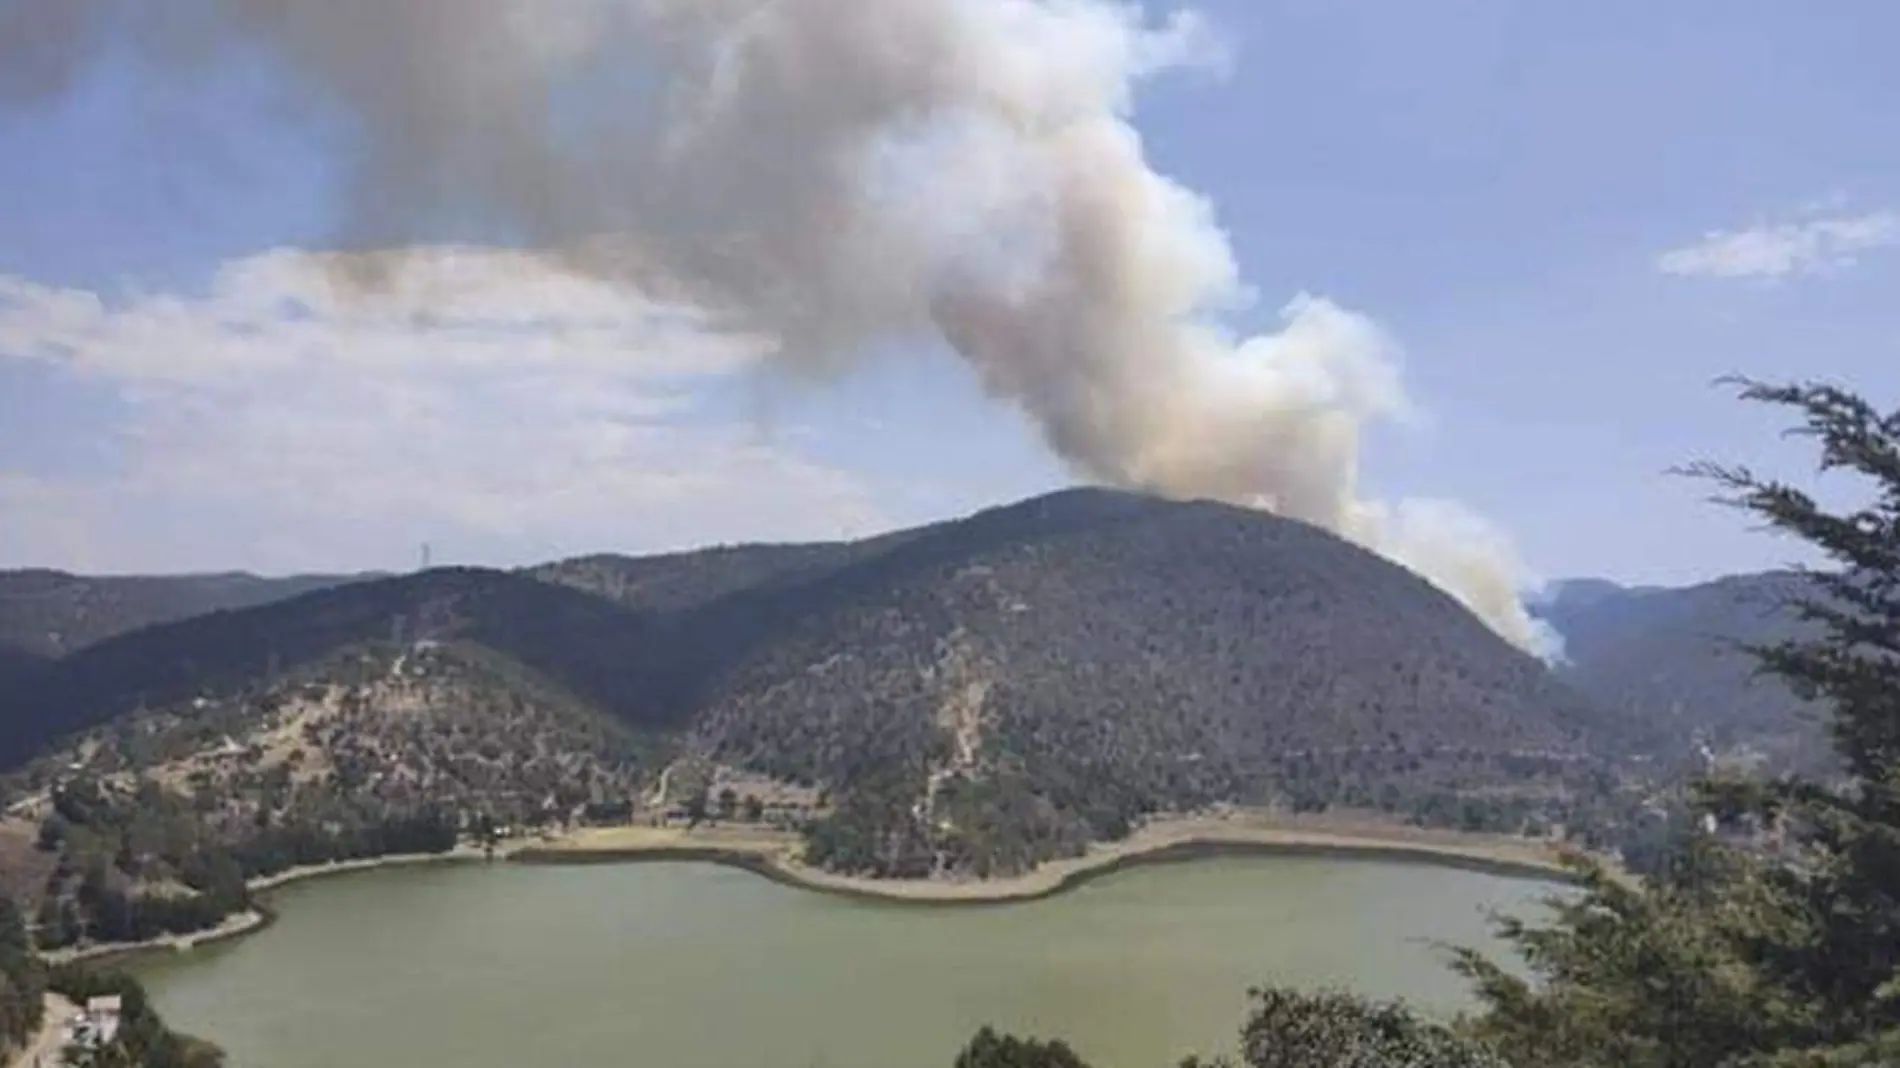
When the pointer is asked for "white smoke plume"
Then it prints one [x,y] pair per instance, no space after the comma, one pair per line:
[839,174]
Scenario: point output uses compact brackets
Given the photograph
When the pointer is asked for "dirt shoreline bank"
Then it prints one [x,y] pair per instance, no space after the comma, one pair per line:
[256,919]
[774,856]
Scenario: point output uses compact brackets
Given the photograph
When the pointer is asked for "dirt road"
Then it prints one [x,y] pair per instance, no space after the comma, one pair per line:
[43,1051]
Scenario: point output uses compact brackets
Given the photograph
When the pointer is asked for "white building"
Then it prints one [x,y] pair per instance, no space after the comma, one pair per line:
[104,1013]
[95,1025]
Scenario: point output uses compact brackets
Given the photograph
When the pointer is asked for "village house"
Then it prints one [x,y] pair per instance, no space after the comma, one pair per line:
[105,1013]
[96,1025]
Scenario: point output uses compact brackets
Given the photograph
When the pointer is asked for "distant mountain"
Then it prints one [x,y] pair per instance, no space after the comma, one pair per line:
[1574,596]
[558,632]
[52,613]
[978,694]
[1668,658]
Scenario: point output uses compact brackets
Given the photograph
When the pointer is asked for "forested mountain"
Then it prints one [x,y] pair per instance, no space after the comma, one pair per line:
[976,695]
[1058,667]
[1668,658]
[158,817]
[562,633]
[52,613]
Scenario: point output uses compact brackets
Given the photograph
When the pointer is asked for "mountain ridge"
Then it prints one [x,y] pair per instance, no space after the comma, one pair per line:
[969,698]
[978,694]
[694,604]
[227,650]
[1673,657]
[48,612]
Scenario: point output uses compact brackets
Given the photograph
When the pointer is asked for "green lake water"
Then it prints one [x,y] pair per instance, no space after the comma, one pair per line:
[696,966]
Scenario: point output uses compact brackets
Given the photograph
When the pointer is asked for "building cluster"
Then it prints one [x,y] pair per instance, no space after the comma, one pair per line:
[89,1028]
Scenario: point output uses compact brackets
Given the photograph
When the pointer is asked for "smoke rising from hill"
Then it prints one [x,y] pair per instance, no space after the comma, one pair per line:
[838,174]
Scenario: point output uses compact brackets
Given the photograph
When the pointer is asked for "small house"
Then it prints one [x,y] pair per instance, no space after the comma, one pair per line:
[104,1012]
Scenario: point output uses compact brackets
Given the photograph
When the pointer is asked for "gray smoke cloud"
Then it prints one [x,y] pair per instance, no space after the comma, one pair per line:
[43,45]
[837,174]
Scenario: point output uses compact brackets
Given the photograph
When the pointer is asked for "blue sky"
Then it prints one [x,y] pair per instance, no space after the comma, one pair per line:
[1522,194]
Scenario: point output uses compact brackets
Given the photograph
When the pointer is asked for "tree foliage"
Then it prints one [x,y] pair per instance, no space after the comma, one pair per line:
[22,979]
[1286,1028]
[152,825]
[142,863]
[1293,1029]
[1744,956]
[991,1050]
[143,1040]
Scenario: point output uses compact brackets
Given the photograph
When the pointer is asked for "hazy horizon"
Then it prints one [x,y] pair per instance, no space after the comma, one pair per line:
[439,559]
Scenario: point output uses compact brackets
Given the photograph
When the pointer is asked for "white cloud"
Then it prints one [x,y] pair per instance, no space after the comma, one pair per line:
[1775,251]
[483,400]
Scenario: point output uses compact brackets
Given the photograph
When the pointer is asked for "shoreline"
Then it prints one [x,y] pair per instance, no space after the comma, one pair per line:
[1165,842]
[775,856]
[259,916]
[235,925]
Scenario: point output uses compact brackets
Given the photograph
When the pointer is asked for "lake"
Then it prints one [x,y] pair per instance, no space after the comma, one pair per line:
[665,965]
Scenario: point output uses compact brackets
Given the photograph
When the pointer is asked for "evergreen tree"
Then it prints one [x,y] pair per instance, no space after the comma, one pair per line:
[22,979]
[991,1050]
[1733,957]
[1286,1029]
[1296,1029]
